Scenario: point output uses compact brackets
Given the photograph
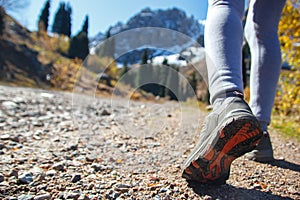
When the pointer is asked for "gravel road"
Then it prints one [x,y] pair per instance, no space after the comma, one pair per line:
[58,146]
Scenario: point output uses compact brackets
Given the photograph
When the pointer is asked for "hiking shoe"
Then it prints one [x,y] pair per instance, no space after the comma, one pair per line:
[264,151]
[228,132]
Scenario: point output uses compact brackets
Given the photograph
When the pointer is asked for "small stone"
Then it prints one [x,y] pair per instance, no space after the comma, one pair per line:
[76,178]
[1,178]
[91,157]
[84,197]
[72,147]
[9,105]
[18,100]
[97,167]
[25,197]
[25,178]
[58,166]
[37,123]
[47,95]
[14,172]
[42,197]
[157,197]
[163,190]
[257,186]
[122,187]
[72,195]
[105,113]
[51,172]
[5,137]
[5,184]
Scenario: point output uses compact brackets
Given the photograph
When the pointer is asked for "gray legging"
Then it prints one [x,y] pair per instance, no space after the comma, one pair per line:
[223,43]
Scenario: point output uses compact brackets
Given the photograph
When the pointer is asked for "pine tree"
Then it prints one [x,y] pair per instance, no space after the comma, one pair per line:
[107,48]
[58,19]
[79,46]
[44,18]
[144,58]
[162,77]
[125,69]
[2,21]
[172,81]
[67,22]
[142,71]
[62,20]
[193,81]
[85,26]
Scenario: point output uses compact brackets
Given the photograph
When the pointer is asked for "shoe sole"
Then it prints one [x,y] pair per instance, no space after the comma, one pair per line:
[233,140]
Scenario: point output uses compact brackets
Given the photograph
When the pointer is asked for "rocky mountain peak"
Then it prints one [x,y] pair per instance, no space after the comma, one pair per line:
[171,19]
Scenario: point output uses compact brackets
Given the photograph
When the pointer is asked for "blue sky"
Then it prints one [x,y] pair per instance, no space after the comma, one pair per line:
[103,13]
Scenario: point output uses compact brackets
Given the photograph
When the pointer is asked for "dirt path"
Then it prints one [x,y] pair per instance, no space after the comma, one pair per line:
[54,148]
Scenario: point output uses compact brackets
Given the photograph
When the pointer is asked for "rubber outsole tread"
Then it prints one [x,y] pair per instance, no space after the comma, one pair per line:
[241,136]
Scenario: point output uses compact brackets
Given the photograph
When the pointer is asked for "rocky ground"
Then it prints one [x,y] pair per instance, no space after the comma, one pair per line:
[59,146]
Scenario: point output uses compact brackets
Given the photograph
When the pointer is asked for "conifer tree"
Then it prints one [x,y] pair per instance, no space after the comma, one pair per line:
[125,69]
[79,46]
[44,18]
[142,71]
[144,58]
[2,21]
[107,48]
[171,89]
[67,22]
[162,77]
[85,26]
[58,19]
[62,20]
[193,81]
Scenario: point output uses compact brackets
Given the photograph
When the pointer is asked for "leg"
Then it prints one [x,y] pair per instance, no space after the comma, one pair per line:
[223,44]
[261,33]
[231,129]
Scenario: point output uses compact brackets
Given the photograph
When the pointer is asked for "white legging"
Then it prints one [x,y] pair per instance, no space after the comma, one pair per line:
[223,43]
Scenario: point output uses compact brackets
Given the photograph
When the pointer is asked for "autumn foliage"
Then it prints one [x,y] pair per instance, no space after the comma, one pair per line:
[287,102]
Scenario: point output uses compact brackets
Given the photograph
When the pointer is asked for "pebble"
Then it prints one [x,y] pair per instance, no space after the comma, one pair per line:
[75,178]
[163,190]
[97,167]
[91,157]
[1,178]
[42,197]
[9,105]
[25,178]
[25,197]
[84,197]
[122,187]
[104,112]
[5,137]
[58,166]
[51,172]
[71,195]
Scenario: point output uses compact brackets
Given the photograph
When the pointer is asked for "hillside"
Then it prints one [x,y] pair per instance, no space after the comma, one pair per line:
[39,60]
[19,60]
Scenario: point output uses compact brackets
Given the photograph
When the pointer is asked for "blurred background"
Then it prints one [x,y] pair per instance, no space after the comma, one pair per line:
[59,45]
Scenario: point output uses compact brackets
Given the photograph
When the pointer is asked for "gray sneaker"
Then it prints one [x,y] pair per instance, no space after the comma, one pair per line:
[264,151]
[228,132]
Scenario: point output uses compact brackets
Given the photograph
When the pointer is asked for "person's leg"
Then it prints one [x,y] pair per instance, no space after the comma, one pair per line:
[231,129]
[223,45]
[261,32]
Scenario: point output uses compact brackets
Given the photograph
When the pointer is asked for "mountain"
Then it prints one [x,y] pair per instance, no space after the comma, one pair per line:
[162,32]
